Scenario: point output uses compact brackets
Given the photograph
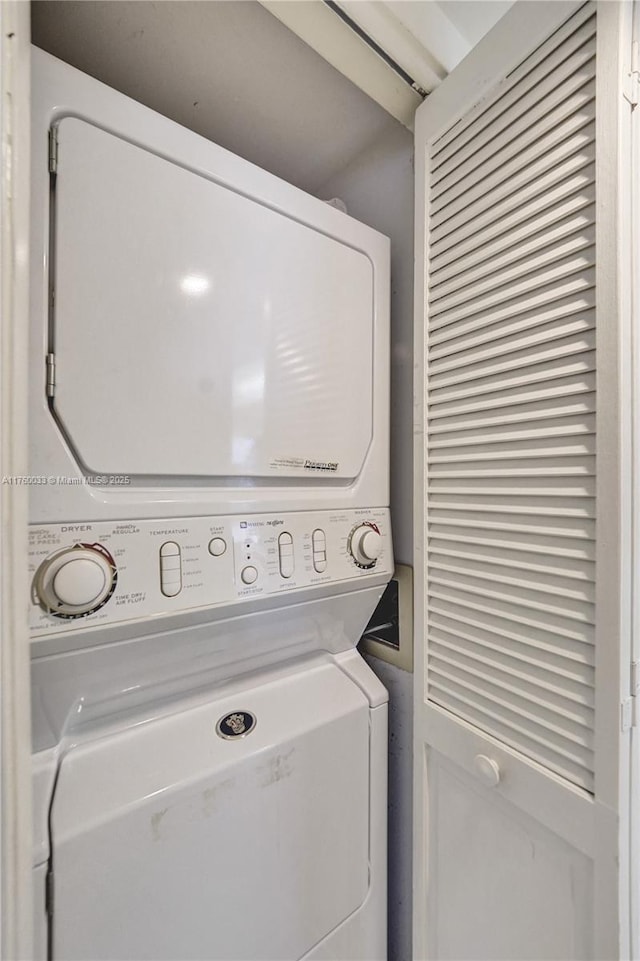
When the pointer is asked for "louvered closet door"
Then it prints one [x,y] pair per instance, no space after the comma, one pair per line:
[520,602]
[511,369]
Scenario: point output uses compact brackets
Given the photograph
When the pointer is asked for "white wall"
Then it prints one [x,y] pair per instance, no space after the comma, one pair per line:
[229,71]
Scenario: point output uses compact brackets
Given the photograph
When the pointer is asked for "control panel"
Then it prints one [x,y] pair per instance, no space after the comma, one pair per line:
[96,574]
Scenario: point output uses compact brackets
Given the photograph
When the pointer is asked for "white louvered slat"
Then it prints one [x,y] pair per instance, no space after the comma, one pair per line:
[517,684]
[482,261]
[546,152]
[509,414]
[487,278]
[579,302]
[480,626]
[458,351]
[518,560]
[554,664]
[509,238]
[575,110]
[512,413]
[570,37]
[555,680]
[509,370]
[560,369]
[513,209]
[446,564]
[554,155]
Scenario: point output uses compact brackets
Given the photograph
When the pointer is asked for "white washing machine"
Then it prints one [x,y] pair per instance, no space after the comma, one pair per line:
[209,534]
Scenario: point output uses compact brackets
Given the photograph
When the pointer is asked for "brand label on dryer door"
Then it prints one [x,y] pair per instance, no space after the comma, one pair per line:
[304,463]
[330,465]
[236,724]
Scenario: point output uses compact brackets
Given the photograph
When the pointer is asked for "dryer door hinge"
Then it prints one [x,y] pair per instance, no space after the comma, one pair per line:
[631,82]
[53,150]
[51,375]
[48,894]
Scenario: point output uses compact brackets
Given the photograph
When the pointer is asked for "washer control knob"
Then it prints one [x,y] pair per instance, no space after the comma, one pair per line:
[365,545]
[249,575]
[76,580]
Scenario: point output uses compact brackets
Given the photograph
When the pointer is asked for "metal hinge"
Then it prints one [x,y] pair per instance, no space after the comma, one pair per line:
[629,707]
[48,894]
[631,83]
[51,375]
[53,150]
[628,714]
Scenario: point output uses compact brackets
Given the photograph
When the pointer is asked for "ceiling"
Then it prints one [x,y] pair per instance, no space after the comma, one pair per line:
[394,50]
[471,18]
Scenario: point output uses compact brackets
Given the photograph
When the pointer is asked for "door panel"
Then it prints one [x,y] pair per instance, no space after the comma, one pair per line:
[246,319]
[501,880]
[171,840]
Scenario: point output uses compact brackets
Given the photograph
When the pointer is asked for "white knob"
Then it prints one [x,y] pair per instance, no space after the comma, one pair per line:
[79,582]
[488,769]
[366,545]
[75,581]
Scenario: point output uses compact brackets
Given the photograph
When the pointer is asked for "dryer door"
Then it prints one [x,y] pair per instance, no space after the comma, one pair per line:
[171,842]
[197,331]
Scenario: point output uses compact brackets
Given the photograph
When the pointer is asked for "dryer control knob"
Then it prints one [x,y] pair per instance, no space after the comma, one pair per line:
[76,580]
[365,545]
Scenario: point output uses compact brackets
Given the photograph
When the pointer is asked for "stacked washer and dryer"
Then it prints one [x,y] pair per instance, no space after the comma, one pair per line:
[209,534]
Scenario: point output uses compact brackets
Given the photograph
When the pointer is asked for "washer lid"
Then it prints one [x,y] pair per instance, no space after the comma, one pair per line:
[197,332]
[172,842]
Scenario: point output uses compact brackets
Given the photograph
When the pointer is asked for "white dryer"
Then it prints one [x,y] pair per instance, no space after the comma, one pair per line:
[209,534]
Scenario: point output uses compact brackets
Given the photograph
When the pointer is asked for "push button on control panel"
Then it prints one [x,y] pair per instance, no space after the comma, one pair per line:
[285,554]
[217,546]
[319,545]
[249,574]
[170,569]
